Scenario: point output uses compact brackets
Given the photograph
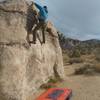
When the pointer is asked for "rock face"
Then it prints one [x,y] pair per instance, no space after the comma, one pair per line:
[24,68]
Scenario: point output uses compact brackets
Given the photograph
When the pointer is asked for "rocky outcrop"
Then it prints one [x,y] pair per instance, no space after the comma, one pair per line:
[24,68]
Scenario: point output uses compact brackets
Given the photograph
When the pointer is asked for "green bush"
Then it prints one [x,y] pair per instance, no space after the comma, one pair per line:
[52,80]
[51,83]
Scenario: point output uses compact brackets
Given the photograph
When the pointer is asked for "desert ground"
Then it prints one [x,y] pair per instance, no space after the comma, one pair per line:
[83,87]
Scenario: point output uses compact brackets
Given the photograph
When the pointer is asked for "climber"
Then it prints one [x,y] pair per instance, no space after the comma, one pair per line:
[32,20]
[42,17]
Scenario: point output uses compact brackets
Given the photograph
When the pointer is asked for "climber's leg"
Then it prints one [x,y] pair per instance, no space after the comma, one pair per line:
[43,35]
[34,36]
[30,22]
[29,27]
[27,37]
[43,31]
[35,32]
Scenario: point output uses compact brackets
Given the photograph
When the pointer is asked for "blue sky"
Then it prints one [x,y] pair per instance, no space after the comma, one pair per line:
[75,18]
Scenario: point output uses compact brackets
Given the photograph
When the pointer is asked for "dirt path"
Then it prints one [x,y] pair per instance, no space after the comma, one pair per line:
[83,87]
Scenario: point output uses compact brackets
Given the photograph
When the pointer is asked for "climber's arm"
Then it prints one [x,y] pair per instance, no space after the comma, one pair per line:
[39,7]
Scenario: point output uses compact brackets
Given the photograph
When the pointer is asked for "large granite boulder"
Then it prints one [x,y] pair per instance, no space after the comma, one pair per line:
[23,68]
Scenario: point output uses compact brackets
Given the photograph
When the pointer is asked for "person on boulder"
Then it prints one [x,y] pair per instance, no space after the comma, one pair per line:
[42,17]
[32,20]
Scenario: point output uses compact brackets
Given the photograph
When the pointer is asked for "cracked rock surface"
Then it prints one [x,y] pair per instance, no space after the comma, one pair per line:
[24,68]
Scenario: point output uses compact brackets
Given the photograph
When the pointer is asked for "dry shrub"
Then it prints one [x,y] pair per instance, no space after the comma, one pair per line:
[74,53]
[97,67]
[75,60]
[97,54]
[65,60]
[86,69]
[98,58]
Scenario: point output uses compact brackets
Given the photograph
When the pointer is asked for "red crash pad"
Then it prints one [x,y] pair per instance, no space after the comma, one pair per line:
[56,94]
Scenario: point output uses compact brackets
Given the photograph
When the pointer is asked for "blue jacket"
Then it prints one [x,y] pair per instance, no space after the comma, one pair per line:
[43,13]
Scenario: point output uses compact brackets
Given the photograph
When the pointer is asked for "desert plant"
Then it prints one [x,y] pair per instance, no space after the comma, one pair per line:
[75,60]
[86,69]
[74,53]
[51,83]
[97,67]
[47,85]
[62,37]
[97,54]
[52,80]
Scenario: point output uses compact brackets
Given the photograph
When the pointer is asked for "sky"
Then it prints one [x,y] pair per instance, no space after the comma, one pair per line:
[79,19]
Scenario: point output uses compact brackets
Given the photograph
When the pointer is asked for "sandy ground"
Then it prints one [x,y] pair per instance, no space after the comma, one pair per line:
[83,87]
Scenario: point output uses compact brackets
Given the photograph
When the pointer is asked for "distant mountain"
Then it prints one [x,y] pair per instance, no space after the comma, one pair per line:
[69,43]
[74,42]
[92,41]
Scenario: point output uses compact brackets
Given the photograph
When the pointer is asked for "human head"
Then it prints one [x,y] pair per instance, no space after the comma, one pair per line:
[46,8]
